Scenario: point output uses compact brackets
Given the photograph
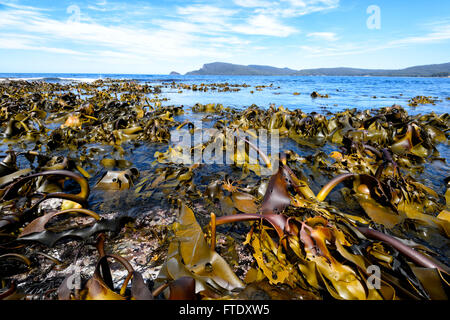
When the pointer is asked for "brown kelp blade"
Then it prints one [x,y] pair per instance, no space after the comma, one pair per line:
[11,292]
[277,221]
[16,256]
[8,288]
[277,196]
[50,238]
[182,289]
[97,289]
[118,180]
[244,202]
[10,191]
[38,224]
[139,289]
[415,256]
[81,197]
[104,265]
[189,255]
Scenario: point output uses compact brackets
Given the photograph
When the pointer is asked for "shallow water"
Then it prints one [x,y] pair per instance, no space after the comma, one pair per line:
[344,92]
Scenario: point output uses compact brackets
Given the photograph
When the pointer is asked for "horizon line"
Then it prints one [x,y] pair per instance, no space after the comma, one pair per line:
[340,67]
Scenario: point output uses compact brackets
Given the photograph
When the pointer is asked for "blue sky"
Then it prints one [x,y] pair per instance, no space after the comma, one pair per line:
[156,37]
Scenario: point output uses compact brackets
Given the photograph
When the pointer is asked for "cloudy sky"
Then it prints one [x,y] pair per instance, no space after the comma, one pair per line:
[156,37]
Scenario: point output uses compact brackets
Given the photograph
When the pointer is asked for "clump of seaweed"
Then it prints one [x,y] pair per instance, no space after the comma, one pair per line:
[315,94]
[414,102]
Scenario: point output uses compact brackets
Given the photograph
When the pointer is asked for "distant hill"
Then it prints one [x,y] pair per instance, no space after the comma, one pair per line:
[222,68]
[174,73]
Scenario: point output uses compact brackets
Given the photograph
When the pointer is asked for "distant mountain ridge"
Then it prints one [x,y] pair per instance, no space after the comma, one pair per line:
[222,68]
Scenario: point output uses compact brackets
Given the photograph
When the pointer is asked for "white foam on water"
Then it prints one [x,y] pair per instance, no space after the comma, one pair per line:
[21,79]
[87,80]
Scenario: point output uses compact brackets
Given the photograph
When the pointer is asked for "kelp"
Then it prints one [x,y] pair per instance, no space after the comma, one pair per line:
[315,94]
[189,255]
[309,239]
[97,289]
[414,102]
[210,107]
[351,195]
[97,118]
[8,164]
[14,187]
[100,286]
[388,205]
[118,180]
[11,188]
[36,230]
[9,289]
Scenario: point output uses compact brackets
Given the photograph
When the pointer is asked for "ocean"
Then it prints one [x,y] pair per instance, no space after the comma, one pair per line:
[344,92]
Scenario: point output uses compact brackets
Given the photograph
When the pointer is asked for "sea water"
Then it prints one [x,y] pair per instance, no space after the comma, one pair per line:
[344,92]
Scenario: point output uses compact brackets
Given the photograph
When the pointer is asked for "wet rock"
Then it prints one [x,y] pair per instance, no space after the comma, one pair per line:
[315,94]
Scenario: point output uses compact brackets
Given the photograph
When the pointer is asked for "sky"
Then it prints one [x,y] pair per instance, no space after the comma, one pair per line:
[157,37]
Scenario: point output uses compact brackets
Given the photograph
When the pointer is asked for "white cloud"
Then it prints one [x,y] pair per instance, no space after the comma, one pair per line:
[288,8]
[204,19]
[20,42]
[264,25]
[98,8]
[197,11]
[116,32]
[439,33]
[210,20]
[21,7]
[295,8]
[123,40]
[105,6]
[328,36]
[252,3]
